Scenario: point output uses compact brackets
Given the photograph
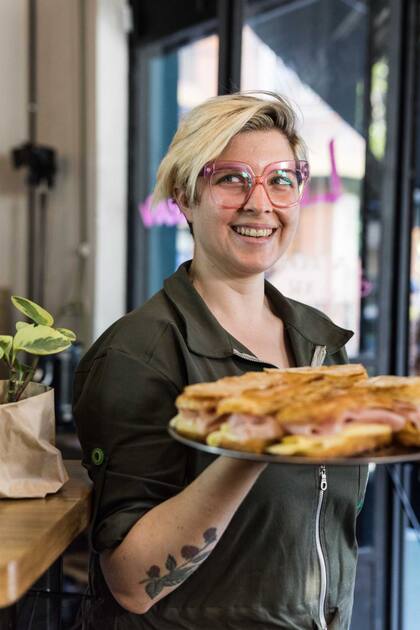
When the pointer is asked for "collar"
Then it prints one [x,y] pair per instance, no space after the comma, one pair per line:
[306,326]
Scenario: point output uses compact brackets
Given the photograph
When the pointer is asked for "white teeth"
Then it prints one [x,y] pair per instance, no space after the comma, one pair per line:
[245,231]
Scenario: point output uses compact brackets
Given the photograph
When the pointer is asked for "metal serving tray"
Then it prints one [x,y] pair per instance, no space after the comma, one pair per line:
[394,454]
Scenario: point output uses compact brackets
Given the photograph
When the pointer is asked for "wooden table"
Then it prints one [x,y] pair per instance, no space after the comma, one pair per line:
[35,532]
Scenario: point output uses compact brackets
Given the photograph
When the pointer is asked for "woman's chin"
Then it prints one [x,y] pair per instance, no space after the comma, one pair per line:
[254,267]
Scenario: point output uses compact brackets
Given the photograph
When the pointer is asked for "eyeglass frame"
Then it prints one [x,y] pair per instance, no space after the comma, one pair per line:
[301,167]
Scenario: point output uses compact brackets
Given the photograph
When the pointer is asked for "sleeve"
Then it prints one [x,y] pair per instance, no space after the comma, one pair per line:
[122,407]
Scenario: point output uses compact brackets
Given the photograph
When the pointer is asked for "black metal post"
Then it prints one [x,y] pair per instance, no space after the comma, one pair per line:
[32,113]
[230,13]
[403,149]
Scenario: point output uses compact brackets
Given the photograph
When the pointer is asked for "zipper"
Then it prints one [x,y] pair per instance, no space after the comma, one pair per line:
[321,558]
[318,356]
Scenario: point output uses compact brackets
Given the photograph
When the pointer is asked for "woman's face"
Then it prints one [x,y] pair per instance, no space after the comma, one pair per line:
[218,244]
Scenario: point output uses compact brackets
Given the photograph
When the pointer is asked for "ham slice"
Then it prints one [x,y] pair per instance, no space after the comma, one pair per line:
[245,426]
[324,428]
[373,415]
[204,421]
[410,412]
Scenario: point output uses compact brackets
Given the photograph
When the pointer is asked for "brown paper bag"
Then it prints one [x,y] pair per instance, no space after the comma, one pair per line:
[30,464]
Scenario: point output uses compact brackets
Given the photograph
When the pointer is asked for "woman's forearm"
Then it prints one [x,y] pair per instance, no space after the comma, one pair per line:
[170,542]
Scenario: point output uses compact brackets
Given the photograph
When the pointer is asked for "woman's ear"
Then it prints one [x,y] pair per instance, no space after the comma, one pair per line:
[182,203]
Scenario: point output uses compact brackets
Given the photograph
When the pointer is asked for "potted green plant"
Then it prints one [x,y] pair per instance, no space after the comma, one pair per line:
[30,464]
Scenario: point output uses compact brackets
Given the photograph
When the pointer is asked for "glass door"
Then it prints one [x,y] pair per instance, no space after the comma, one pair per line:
[334,60]
[410,561]
[304,51]
[170,74]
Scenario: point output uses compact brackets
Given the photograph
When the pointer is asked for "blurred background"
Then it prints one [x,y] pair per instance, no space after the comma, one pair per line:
[91,94]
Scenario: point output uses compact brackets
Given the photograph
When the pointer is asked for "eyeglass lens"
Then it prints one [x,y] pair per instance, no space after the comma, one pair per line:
[232,186]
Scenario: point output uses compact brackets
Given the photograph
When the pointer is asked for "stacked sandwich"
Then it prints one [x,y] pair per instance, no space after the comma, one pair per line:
[329,411]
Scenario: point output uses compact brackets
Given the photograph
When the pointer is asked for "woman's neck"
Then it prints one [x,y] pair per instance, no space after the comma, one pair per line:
[237,299]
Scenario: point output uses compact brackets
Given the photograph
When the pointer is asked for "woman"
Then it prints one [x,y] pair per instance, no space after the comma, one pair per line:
[181,539]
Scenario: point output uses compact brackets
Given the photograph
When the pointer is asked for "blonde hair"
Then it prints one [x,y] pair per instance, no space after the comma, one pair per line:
[208,128]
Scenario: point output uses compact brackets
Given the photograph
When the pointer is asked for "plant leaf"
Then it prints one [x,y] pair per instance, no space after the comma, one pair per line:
[67,333]
[32,310]
[153,588]
[40,340]
[6,342]
[20,325]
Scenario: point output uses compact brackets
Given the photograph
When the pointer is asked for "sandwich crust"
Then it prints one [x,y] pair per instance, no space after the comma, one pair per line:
[328,411]
[223,439]
[409,436]
[352,440]
[203,404]
[325,405]
[304,384]
[404,388]
[351,372]
[192,428]
[231,385]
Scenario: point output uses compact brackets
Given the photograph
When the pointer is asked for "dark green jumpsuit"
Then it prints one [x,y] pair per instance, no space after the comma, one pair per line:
[288,557]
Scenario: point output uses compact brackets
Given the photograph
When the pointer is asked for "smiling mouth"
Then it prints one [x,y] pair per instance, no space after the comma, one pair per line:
[254,232]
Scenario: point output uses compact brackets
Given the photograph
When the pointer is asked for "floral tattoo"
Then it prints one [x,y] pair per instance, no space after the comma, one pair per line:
[177,573]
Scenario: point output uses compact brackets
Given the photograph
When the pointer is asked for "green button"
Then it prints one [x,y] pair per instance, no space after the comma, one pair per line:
[98,456]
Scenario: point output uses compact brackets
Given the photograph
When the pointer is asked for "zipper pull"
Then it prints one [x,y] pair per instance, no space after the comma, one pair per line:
[323,478]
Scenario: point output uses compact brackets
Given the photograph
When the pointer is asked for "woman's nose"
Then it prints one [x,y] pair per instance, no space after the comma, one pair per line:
[258,199]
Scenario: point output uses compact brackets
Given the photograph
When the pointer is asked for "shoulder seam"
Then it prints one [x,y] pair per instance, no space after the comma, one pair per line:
[146,362]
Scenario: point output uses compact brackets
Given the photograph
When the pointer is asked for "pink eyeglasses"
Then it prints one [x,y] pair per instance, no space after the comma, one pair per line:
[232,183]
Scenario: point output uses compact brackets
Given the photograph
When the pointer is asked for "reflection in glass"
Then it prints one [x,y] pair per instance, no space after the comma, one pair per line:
[411,574]
[178,80]
[197,82]
[323,265]
[316,54]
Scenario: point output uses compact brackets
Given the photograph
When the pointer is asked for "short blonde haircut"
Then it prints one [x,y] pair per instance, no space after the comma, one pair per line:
[207,130]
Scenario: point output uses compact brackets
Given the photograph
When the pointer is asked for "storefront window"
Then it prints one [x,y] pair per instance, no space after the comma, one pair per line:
[323,265]
[411,537]
[176,84]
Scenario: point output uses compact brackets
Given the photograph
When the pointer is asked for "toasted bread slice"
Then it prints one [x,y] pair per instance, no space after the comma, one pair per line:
[402,388]
[199,404]
[223,438]
[409,436]
[354,438]
[322,404]
[351,372]
[300,396]
[231,385]
[192,428]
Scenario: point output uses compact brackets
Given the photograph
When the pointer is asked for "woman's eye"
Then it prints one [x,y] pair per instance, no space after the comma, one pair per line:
[231,178]
[282,179]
